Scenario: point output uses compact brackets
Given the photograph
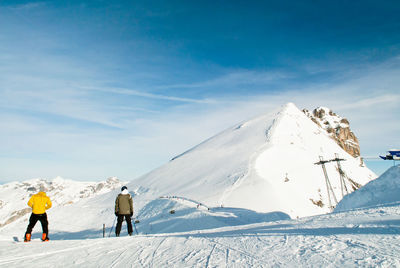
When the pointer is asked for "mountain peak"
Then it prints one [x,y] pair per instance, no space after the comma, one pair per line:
[265,165]
[290,107]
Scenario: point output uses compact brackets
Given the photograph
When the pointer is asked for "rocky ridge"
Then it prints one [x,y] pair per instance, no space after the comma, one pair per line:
[338,128]
[15,195]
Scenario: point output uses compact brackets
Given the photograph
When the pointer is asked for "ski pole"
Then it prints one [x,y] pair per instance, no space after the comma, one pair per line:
[112,226]
[134,225]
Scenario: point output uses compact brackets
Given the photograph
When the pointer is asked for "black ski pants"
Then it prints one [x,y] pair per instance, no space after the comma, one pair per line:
[33,220]
[119,223]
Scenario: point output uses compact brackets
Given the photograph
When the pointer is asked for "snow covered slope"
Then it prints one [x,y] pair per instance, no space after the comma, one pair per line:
[14,196]
[363,238]
[265,164]
[156,216]
[383,190]
[197,237]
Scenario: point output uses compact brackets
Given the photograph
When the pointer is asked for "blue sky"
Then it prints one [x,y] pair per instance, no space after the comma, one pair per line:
[92,89]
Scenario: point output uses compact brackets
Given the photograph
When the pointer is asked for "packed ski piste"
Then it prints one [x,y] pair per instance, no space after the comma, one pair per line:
[251,196]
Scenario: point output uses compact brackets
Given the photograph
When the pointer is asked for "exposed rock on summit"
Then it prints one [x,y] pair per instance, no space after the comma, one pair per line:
[338,127]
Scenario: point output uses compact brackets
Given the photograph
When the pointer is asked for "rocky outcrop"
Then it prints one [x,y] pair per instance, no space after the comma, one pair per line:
[15,215]
[111,183]
[338,128]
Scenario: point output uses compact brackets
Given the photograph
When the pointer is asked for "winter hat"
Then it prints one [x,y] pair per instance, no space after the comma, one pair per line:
[123,188]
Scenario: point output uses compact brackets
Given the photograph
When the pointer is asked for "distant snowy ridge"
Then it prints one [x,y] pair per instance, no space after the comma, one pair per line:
[382,191]
[15,195]
[264,164]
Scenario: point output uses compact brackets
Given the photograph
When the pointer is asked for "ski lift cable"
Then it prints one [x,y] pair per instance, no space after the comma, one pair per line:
[373,158]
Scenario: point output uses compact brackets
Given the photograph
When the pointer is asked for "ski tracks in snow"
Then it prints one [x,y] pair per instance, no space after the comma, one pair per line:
[44,251]
[199,252]
[155,251]
[257,250]
[251,259]
[257,245]
[209,256]
[271,253]
[118,258]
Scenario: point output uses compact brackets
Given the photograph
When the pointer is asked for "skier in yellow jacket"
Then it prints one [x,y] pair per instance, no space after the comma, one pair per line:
[39,203]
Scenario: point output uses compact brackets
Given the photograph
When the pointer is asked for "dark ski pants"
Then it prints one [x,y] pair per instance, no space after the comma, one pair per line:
[119,224]
[33,220]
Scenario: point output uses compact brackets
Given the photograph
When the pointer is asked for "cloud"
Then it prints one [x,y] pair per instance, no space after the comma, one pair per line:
[64,103]
[236,78]
[132,92]
[27,6]
[385,100]
[147,141]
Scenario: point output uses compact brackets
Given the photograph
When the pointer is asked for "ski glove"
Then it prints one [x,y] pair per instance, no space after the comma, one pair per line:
[116,213]
[131,214]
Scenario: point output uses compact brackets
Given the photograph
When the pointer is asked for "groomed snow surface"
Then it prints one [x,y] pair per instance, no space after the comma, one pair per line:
[200,236]
[360,238]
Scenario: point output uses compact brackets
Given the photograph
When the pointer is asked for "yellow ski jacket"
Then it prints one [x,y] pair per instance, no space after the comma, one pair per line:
[39,203]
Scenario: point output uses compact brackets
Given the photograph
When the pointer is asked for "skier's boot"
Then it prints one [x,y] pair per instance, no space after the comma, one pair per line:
[130,234]
[27,238]
[45,238]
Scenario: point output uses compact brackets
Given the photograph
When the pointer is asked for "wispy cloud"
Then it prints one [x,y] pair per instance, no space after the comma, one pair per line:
[155,137]
[27,6]
[63,103]
[236,78]
[132,92]
[368,102]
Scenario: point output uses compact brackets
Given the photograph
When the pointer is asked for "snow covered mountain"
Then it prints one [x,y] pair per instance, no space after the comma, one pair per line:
[265,164]
[262,165]
[14,196]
